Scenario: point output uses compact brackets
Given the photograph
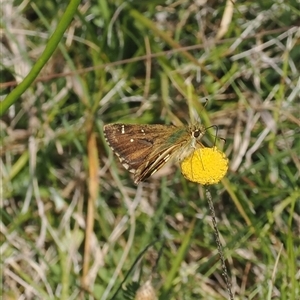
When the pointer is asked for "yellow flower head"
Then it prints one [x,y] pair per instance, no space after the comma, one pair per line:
[205,166]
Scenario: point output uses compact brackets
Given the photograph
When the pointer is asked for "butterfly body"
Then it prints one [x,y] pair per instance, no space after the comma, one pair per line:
[144,149]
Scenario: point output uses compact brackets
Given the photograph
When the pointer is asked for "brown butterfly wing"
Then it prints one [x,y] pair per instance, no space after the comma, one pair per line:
[156,161]
[140,146]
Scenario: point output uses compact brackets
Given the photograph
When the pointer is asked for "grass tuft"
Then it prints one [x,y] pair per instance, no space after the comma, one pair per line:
[73,224]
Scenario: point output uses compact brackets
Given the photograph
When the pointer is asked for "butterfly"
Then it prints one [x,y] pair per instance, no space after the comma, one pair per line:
[144,149]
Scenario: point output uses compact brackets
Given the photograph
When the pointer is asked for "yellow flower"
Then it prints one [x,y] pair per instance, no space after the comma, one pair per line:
[205,166]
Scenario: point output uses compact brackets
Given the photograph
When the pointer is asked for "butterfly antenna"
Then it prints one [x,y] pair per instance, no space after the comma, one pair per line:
[206,101]
[216,127]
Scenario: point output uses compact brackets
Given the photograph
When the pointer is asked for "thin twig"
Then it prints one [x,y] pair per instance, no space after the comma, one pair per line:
[219,245]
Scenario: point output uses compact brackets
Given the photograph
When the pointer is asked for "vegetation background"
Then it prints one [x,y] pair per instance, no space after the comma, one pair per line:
[73,224]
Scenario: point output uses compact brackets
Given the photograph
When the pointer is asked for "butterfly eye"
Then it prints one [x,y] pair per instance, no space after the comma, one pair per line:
[196,133]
